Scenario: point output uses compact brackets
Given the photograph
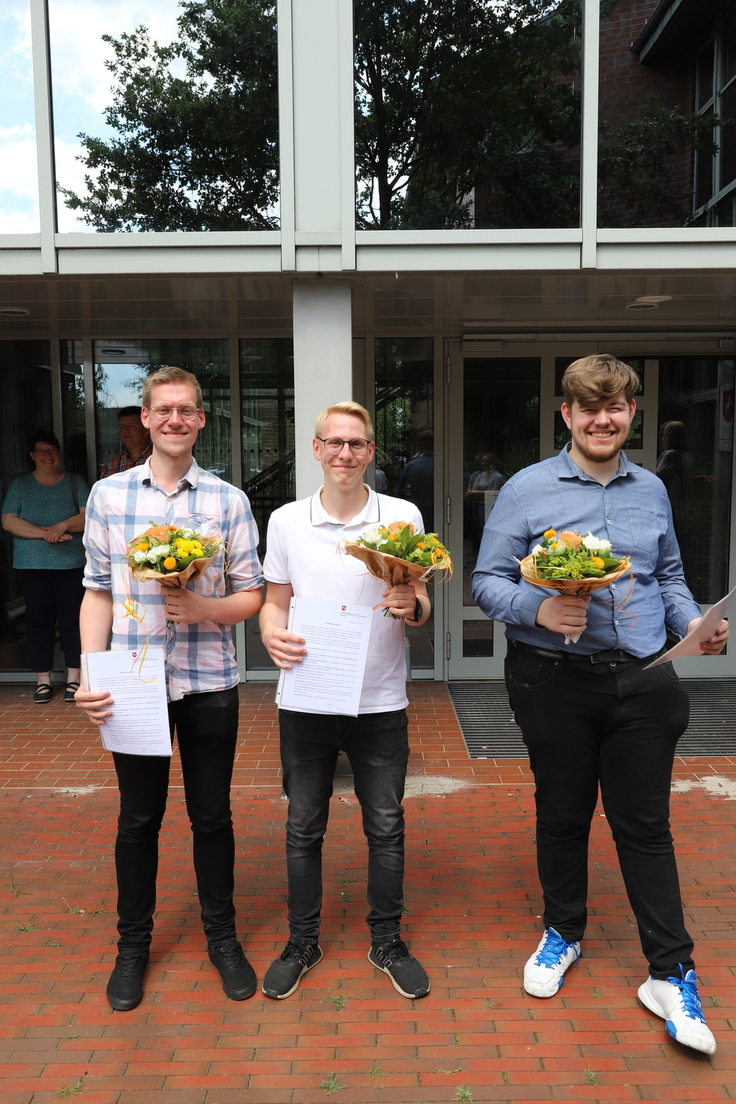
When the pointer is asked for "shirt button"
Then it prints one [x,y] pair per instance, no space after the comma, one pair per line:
[615,622]
[613,586]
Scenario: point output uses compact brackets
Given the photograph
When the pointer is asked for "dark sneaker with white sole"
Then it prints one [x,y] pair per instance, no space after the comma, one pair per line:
[284,974]
[125,987]
[408,976]
[238,977]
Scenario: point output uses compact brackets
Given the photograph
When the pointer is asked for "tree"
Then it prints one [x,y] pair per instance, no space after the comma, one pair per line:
[194,153]
[456,95]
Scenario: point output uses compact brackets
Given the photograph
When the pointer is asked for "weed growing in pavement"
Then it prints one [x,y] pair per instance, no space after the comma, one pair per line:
[73,1035]
[70,908]
[505,1077]
[489,1003]
[456,1037]
[590,1076]
[331,1084]
[99,909]
[14,889]
[465,1093]
[52,943]
[30,926]
[345,895]
[714,1002]
[377,1071]
[73,1090]
[338,1003]
[440,1069]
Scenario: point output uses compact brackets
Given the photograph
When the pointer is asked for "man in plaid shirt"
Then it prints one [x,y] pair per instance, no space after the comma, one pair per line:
[134,436]
[193,625]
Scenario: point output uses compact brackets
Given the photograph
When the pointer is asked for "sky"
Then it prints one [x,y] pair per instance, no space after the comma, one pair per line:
[81,91]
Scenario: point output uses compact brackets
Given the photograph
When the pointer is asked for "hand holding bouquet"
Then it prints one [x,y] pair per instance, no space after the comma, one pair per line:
[170,555]
[397,554]
[572,564]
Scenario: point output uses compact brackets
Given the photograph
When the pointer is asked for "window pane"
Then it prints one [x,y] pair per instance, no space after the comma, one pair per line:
[26,376]
[267,443]
[728,137]
[172,108]
[18,168]
[122,366]
[73,406]
[704,76]
[695,461]
[467,115]
[404,425]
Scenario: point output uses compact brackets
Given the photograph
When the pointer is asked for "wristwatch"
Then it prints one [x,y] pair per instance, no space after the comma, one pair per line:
[418,611]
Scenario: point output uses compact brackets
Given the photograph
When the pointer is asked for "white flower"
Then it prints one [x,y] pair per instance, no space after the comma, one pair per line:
[159,552]
[599,546]
[371,535]
[188,534]
[140,557]
[536,550]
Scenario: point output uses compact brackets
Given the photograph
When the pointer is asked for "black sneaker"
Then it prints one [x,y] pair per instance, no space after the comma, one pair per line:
[407,975]
[238,978]
[283,976]
[125,987]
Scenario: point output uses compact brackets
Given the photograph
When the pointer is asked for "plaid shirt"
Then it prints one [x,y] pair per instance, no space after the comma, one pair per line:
[123,461]
[199,658]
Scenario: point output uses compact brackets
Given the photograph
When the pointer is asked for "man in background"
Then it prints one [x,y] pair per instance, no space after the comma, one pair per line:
[137,443]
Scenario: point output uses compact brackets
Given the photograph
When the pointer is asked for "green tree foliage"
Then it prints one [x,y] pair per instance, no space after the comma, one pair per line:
[460,94]
[198,152]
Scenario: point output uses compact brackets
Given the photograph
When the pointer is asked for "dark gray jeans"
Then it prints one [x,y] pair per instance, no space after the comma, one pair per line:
[378,749]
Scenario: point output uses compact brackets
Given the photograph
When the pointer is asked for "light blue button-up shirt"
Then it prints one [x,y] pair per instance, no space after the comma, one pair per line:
[632,511]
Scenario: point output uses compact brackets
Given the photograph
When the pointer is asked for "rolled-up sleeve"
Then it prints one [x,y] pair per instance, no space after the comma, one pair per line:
[243,566]
[96,539]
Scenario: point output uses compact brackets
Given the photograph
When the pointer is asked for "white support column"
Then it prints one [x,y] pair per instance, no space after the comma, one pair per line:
[44,132]
[589,134]
[317,131]
[322,365]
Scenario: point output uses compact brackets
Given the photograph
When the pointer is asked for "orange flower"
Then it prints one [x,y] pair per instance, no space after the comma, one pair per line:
[549,533]
[596,561]
[572,540]
[142,547]
[169,563]
[421,545]
[158,533]
[397,526]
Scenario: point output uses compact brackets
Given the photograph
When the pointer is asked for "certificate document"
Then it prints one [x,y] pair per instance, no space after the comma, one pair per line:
[330,677]
[139,724]
[690,644]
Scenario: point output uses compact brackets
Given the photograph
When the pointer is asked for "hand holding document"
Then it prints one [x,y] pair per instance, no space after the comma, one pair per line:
[136,681]
[707,627]
[330,678]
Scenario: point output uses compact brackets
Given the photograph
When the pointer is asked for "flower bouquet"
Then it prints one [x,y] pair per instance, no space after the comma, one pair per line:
[397,553]
[170,555]
[572,564]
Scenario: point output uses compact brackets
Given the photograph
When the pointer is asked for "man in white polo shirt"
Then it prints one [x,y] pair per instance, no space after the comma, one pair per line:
[303,561]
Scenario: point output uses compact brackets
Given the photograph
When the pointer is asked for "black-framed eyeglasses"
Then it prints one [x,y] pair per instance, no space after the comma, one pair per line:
[358,445]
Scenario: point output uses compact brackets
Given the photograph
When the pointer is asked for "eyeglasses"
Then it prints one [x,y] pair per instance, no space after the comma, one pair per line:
[46,452]
[163,413]
[358,446]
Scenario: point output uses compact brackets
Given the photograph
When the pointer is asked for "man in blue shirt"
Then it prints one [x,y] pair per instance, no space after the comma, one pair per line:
[589,711]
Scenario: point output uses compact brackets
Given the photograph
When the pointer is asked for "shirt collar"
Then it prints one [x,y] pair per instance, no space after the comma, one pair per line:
[147,476]
[570,470]
[370,514]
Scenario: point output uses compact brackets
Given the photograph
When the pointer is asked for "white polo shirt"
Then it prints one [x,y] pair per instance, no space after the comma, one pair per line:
[304,551]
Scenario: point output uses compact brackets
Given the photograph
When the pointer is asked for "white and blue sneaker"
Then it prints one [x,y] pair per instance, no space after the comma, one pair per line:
[676,1000]
[545,970]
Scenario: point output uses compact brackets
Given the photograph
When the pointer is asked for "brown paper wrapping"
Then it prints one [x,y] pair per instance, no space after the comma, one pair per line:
[392,570]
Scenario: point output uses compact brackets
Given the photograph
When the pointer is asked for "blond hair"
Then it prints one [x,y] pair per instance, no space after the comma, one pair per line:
[595,379]
[354,409]
[170,375]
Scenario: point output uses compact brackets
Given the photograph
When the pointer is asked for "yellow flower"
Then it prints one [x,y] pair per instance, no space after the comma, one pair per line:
[549,533]
[169,563]
[421,545]
[142,547]
[596,561]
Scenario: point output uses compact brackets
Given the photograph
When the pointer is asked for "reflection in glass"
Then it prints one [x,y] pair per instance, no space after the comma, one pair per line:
[27,407]
[73,408]
[695,462]
[267,444]
[467,115]
[19,184]
[500,437]
[404,424]
[120,368]
[478,639]
[165,114]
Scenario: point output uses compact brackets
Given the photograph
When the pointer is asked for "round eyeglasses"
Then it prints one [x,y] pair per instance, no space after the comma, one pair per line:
[358,445]
[163,413]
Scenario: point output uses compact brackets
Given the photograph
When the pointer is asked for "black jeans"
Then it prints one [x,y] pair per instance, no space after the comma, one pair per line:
[52,596]
[206,728]
[616,725]
[377,746]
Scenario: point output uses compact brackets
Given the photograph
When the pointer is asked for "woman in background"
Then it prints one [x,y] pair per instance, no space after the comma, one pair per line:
[44,510]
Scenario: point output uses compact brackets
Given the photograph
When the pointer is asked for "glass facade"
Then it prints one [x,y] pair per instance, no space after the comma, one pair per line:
[18,166]
[158,126]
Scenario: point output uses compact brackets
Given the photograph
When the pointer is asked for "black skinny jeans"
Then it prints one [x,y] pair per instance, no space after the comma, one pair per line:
[377,746]
[617,726]
[206,727]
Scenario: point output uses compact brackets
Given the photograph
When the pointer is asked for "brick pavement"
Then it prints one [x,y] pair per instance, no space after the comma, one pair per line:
[472,912]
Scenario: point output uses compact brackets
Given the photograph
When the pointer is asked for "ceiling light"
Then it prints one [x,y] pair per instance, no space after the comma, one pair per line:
[14,312]
[638,306]
[653,298]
